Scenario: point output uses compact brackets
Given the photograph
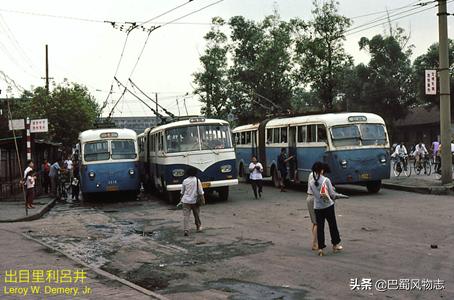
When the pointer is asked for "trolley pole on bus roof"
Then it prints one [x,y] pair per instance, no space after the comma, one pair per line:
[445,104]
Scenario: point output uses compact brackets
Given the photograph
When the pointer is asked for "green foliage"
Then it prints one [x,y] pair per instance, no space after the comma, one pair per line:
[320,54]
[212,82]
[429,61]
[385,85]
[69,108]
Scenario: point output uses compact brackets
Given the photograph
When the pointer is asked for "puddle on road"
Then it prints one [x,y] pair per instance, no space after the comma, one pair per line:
[243,290]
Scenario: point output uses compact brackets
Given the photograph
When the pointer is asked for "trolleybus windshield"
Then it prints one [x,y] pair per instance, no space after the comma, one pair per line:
[358,134]
[123,149]
[183,139]
[96,151]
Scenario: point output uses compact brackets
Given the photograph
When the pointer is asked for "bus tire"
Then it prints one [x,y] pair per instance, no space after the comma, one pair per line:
[373,186]
[173,197]
[223,193]
[275,177]
[241,172]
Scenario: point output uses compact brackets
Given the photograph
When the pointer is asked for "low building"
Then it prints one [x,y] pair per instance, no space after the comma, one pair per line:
[420,124]
[138,124]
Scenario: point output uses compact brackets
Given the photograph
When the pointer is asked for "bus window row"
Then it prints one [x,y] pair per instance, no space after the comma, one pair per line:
[305,134]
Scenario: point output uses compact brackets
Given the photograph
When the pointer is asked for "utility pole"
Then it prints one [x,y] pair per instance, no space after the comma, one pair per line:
[445,99]
[47,70]
[156,101]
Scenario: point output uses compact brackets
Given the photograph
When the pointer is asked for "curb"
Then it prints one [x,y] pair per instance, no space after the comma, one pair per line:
[33,217]
[431,190]
[100,272]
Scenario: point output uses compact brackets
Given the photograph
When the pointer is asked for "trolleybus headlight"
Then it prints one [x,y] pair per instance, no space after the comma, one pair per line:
[91,174]
[382,159]
[343,163]
[131,172]
[226,168]
[178,172]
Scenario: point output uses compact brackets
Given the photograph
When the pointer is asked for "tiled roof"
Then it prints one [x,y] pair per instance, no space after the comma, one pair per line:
[420,116]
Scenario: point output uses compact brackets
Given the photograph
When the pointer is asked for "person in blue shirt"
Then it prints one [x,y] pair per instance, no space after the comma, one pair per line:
[282,161]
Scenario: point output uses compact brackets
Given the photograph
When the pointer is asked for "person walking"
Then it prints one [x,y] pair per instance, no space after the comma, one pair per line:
[191,191]
[53,175]
[434,148]
[30,179]
[75,182]
[282,161]
[322,190]
[255,175]
[46,179]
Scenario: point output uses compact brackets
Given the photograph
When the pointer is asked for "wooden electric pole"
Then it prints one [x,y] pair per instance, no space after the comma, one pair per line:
[445,99]
[47,71]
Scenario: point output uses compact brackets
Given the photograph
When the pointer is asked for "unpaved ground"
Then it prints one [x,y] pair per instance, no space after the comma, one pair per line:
[260,249]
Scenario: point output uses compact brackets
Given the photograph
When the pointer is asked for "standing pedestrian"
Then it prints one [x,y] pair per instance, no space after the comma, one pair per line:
[282,161]
[322,190]
[53,175]
[46,179]
[191,191]
[30,179]
[69,166]
[256,170]
[30,167]
[434,148]
[75,182]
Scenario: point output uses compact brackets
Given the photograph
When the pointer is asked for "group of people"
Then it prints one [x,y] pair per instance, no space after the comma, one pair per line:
[419,152]
[52,176]
[320,199]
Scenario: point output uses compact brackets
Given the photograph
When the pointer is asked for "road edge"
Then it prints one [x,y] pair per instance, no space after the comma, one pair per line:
[99,271]
[431,190]
[33,217]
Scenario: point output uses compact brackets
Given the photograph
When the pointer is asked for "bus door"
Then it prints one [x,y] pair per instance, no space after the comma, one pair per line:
[254,147]
[293,164]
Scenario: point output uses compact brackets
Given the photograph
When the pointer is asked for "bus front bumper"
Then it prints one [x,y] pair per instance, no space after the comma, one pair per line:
[205,185]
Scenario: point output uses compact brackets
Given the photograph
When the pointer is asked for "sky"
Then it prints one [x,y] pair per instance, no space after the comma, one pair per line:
[88,51]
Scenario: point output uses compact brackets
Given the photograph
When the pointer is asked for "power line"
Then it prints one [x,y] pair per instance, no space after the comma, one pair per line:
[163,108]
[391,20]
[384,11]
[166,12]
[387,17]
[51,16]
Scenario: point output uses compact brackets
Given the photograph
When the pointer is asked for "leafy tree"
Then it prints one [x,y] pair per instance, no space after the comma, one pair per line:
[386,86]
[212,82]
[427,61]
[69,108]
[320,54]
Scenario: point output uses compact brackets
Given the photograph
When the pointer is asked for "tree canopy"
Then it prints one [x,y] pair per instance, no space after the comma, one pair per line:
[69,109]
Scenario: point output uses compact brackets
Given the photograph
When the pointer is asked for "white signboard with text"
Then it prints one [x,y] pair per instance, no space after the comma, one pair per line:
[40,125]
[431,82]
[17,124]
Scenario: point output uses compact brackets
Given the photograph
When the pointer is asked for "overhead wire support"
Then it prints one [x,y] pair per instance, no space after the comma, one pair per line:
[151,99]
[138,98]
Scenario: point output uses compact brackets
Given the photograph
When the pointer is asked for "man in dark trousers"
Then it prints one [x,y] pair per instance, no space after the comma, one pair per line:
[282,161]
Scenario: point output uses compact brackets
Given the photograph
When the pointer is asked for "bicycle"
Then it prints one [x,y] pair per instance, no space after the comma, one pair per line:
[424,163]
[401,165]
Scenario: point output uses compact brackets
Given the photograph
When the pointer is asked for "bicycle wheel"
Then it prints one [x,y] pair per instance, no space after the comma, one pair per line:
[397,169]
[427,167]
[417,168]
[407,168]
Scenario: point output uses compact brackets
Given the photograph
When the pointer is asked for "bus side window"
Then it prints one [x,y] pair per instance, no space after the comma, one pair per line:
[269,136]
[248,137]
[284,135]
[311,133]
[276,138]
[243,138]
[302,134]
[321,133]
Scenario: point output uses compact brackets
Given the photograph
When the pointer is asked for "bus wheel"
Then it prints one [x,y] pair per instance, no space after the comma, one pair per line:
[374,186]
[223,193]
[173,197]
[241,174]
[275,177]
